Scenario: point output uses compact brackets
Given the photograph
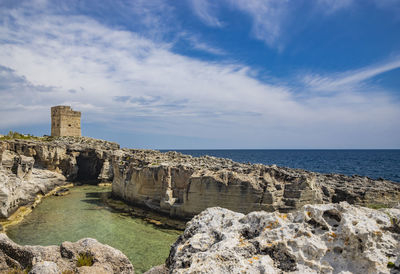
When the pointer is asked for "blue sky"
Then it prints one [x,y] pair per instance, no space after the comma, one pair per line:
[206,74]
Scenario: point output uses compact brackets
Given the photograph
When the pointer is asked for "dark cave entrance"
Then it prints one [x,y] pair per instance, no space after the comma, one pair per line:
[89,168]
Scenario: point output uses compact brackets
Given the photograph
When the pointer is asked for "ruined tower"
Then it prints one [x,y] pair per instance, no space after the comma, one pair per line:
[65,121]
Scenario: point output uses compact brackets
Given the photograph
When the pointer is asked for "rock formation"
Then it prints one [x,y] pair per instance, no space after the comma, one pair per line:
[29,167]
[65,258]
[183,186]
[326,238]
[329,238]
[20,182]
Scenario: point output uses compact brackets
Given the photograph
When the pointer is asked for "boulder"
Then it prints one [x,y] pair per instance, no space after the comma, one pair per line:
[97,257]
[328,238]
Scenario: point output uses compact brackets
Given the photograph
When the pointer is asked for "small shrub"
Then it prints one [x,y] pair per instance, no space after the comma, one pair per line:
[48,138]
[377,206]
[84,259]
[17,135]
[390,265]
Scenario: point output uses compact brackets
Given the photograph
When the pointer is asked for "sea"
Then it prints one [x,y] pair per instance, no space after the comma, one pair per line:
[375,164]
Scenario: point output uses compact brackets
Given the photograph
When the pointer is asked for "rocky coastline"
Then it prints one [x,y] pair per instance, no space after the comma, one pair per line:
[183,186]
[291,213]
[174,184]
[32,167]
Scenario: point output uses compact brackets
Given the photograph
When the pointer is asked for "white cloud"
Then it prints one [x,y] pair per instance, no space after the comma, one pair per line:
[205,10]
[274,20]
[268,17]
[349,80]
[122,80]
[196,43]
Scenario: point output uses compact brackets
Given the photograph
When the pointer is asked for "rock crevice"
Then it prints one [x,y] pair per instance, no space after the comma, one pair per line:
[329,238]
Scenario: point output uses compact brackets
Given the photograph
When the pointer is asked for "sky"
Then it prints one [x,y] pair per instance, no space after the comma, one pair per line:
[206,74]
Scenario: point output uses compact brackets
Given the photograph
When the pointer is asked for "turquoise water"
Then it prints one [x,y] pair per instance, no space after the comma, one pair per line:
[83,214]
[374,163]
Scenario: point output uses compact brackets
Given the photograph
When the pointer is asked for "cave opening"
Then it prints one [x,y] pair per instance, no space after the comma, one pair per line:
[89,168]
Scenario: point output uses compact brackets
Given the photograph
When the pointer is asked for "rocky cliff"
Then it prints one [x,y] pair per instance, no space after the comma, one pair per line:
[84,256]
[31,167]
[330,238]
[20,182]
[77,158]
[183,186]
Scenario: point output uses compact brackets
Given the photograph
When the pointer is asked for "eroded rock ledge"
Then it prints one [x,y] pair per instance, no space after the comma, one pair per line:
[29,167]
[63,259]
[182,186]
[330,238]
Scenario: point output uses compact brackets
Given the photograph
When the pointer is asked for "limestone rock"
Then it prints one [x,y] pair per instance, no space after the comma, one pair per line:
[29,167]
[45,267]
[159,269]
[329,238]
[182,186]
[20,182]
[66,155]
[54,259]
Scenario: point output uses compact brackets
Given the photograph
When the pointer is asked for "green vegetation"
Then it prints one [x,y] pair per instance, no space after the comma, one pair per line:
[390,265]
[16,135]
[84,259]
[47,138]
[377,206]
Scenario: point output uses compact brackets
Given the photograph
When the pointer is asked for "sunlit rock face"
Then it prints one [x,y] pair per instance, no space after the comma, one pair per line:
[84,256]
[183,186]
[180,185]
[20,181]
[329,238]
[77,158]
[29,167]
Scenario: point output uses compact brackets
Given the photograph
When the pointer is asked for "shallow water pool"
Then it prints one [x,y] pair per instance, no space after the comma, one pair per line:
[82,213]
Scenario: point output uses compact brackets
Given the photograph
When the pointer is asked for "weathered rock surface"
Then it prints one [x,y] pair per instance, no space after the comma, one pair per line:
[28,167]
[329,238]
[160,269]
[20,182]
[77,158]
[183,186]
[57,259]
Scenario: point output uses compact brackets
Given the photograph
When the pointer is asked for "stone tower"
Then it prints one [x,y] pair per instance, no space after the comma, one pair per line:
[65,121]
